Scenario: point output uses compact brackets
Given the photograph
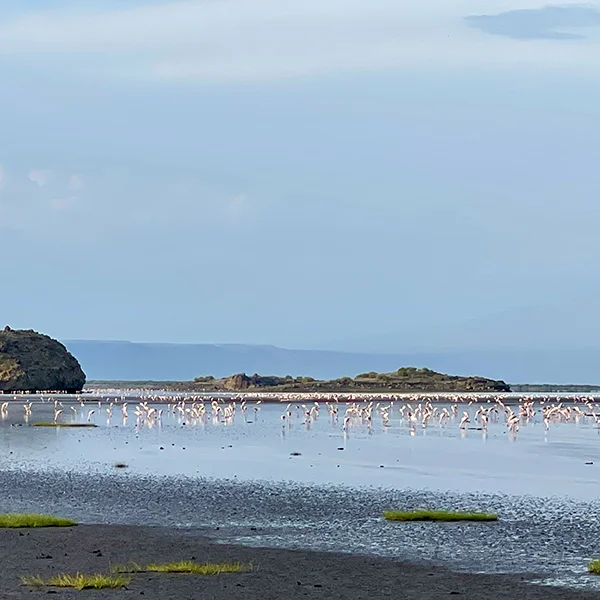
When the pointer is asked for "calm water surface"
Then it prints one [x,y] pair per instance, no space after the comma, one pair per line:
[267,481]
[258,445]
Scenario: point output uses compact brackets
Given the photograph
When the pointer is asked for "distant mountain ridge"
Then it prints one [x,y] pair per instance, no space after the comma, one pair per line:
[130,361]
[115,360]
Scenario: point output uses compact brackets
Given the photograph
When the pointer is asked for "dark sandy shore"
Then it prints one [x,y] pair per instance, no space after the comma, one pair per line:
[277,574]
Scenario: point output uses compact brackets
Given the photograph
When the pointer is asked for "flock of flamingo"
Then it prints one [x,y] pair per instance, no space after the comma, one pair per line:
[348,412]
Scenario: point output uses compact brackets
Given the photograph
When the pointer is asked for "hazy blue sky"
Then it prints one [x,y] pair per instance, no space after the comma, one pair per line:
[294,171]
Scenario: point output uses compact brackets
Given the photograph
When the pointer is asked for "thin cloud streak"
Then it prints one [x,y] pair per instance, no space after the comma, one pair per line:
[249,40]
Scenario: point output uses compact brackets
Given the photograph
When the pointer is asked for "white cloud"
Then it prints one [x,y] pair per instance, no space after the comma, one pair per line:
[202,40]
[39,176]
[75,183]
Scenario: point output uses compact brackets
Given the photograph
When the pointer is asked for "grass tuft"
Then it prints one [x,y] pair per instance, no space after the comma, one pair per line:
[79,581]
[32,520]
[184,566]
[48,424]
[594,567]
[437,515]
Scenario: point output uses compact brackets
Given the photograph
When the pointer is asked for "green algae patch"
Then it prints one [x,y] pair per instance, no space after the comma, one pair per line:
[49,424]
[33,520]
[594,567]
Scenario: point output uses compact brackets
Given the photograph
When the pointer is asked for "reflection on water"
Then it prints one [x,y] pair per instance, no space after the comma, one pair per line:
[549,449]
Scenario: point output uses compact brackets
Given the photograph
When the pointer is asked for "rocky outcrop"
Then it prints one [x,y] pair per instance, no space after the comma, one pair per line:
[237,382]
[405,379]
[32,362]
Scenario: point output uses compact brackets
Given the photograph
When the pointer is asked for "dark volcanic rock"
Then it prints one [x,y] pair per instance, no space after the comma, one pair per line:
[31,362]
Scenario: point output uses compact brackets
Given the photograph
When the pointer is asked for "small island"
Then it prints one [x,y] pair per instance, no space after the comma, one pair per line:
[405,379]
[32,362]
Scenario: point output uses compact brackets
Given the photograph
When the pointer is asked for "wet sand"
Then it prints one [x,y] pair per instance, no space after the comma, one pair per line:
[277,574]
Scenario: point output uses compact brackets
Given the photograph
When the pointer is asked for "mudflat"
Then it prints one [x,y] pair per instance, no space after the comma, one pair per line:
[276,574]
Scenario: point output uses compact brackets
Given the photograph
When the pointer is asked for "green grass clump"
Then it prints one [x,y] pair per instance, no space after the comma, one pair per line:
[594,567]
[184,566]
[437,515]
[32,520]
[49,424]
[79,581]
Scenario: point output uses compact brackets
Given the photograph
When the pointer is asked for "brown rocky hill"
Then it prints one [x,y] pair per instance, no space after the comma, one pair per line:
[32,362]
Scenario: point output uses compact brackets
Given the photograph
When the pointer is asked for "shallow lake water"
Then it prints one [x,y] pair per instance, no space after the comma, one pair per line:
[259,445]
[264,480]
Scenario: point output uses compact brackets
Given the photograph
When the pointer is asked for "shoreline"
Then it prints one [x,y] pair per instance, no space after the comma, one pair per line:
[253,494]
[161,395]
[164,397]
[277,573]
[548,536]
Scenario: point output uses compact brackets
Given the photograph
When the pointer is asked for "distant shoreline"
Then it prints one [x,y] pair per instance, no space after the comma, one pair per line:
[525,388]
[107,386]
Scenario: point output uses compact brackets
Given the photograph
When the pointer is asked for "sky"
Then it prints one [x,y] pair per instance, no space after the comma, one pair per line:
[294,172]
